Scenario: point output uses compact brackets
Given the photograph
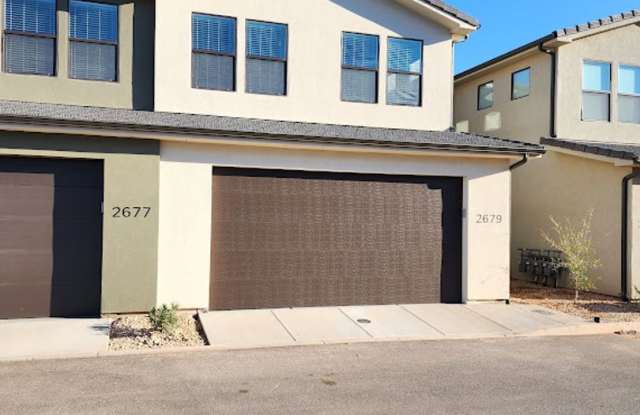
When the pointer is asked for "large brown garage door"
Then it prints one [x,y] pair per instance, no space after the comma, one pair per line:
[50,237]
[295,239]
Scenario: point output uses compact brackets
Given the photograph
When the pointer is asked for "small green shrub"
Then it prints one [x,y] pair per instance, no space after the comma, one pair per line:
[164,318]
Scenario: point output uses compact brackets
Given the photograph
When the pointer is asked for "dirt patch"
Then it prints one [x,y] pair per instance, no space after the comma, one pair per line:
[589,306]
[134,332]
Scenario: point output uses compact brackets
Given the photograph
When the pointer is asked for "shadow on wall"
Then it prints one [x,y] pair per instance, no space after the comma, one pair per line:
[404,22]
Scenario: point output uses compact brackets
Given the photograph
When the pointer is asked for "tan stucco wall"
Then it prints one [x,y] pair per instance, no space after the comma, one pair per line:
[566,186]
[526,118]
[131,167]
[634,239]
[186,202]
[60,89]
[314,66]
[616,46]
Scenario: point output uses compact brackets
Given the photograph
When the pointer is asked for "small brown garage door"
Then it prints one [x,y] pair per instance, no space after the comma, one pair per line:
[50,237]
[296,239]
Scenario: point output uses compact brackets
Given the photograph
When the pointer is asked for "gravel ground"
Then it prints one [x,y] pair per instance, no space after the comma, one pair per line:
[589,305]
[134,332]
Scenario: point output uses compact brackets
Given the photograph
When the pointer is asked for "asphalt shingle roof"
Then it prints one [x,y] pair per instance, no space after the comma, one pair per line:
[567,31]
[453,11]
[619,151]
[211,126]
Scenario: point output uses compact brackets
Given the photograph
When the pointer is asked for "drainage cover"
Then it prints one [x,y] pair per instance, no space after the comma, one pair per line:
[364,321]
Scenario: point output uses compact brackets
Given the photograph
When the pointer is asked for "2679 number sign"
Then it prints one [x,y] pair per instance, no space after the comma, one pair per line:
[131,211]
[488,219]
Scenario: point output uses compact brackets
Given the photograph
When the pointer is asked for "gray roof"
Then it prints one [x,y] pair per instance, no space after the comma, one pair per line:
[215,127]
[594,24]
[453,11]
[567,31]
[619,151]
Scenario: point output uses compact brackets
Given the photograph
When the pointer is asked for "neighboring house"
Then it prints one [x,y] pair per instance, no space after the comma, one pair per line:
[268,154]
[579,89]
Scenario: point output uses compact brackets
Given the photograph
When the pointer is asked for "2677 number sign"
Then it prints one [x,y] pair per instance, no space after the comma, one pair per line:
[130,211]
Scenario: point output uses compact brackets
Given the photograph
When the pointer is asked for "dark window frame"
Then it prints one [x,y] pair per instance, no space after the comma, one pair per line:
[266,58]
[479,108]
[54,37]
[513,76]
[609,93]
[214,53]
[421,74]
[116,44]
[356,68]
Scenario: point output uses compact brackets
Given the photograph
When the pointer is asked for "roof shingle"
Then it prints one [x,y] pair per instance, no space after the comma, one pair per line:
[213,127]
[453,11]
[619,151]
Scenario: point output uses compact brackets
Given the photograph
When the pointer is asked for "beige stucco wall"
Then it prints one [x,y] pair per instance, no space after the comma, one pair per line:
[526,118]
[567,186]
[634,239]
[314,65]
[131,167]
[186,201]
[60,89]
[616,46]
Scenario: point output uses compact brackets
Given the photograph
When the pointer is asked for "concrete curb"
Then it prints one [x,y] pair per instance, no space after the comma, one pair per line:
[587,329]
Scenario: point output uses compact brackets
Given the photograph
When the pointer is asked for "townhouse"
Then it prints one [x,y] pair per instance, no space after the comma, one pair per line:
[240,154]
[577,92]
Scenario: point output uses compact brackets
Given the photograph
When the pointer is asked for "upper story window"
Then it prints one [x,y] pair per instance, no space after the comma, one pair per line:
[629,94]
[213,59]
[596,91]
[485,95]
[521,84]
[404,77]
[266,58]
[93,37]
[30,36]
[360,65]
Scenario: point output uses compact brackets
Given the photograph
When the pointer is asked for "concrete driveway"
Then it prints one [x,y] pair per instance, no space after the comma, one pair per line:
[45,338]
[327,325]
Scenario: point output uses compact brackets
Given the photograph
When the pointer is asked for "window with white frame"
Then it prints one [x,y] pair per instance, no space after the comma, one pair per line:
[29,41]
[213,57]
[266,58]
[93,40]
[629,94]
[404,72]
[360,65]
[596,91]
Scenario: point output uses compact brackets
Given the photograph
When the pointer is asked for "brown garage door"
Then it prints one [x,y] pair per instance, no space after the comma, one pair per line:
[50,237]
[295,239]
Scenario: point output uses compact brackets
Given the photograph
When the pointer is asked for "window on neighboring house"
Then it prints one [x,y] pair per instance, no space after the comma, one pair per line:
[360,65]
[213,59]
[30,37]
[404,74]
[266,58]
[596,91]
[521,84]
[629,94]
[485,95]
[93,40]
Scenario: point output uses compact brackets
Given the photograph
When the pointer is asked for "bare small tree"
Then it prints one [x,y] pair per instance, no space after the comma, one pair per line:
[573,238]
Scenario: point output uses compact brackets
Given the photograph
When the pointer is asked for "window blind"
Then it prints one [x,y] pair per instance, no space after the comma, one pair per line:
[360,65]
[266,58]
[30,31]
[404,78]
[93,21]
[213,40]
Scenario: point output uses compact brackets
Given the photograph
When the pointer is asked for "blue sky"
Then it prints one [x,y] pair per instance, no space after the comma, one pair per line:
[507,24]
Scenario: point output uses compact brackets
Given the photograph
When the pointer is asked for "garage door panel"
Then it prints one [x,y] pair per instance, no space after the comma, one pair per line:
[283,239]
[50,237]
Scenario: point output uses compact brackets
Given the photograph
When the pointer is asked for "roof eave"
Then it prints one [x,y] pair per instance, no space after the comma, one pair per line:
[454,24]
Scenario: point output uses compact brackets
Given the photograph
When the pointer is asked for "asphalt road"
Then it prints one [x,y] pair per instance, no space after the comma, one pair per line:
[570,375]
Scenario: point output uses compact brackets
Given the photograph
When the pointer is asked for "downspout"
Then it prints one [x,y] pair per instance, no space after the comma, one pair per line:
[554,63]
[521,163]
[624,283]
